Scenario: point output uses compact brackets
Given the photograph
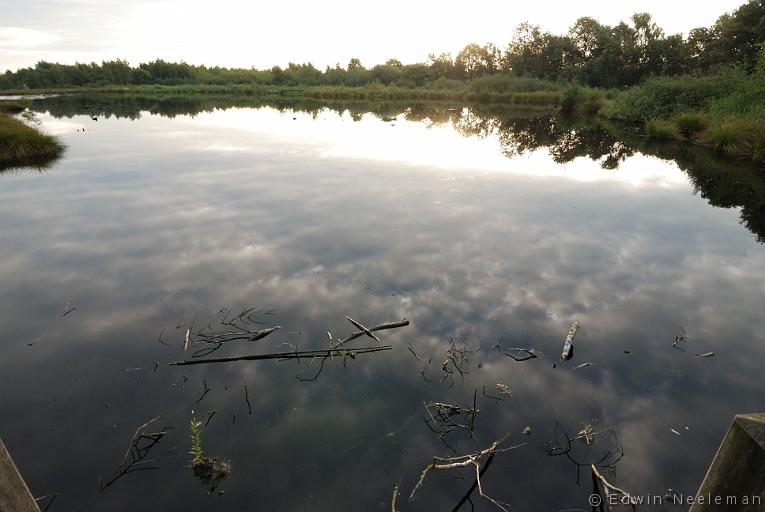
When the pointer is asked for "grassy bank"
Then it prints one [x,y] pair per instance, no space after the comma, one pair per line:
[23,145]
[515,91]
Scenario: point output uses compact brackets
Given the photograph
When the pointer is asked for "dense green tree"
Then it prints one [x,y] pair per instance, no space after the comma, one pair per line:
[590,53]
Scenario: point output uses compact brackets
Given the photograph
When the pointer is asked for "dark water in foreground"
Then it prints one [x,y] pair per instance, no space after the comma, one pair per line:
[147,223]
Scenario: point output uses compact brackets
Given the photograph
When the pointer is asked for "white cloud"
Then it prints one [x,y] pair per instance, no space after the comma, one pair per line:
[23,38]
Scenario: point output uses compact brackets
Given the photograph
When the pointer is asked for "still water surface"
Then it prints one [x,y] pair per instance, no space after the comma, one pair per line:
[149,222]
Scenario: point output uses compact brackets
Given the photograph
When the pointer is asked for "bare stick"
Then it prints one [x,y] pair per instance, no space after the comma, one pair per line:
[247,396]
[410,349]
[393,499]
[609,487]
[389,325]
[364,329]
[204,391]
[460,461]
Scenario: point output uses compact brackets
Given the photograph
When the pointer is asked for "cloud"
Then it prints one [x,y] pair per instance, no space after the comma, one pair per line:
[14,38]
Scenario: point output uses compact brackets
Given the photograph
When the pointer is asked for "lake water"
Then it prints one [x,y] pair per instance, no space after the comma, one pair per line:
[495,231]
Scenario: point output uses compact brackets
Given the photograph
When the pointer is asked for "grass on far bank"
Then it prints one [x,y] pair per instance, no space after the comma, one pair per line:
[511,91]
[24,145]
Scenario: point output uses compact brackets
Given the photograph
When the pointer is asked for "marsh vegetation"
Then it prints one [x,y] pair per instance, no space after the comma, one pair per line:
[22,144]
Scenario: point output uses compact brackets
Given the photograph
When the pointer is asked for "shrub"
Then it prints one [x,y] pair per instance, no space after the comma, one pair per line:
[666,96]
[570,98]
[588,100]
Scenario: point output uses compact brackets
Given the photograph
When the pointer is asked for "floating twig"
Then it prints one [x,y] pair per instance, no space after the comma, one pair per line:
[135,457]
[410,349]
[530,353]
[246,397]
[50,502]
[68,308]
[446,418]
[424,369]
[204,391]
[683,337]
[366,331]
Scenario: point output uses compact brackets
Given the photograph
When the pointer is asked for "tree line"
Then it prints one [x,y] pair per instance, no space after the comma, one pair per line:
[590,53]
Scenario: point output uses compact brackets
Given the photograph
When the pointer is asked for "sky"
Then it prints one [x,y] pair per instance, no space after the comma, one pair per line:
[246,33]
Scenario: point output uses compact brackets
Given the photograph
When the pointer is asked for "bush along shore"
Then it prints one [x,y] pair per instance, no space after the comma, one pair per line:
[725,111]
[21,143]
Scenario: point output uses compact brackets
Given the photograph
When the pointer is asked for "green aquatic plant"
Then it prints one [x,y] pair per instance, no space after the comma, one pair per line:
[209,470]
[196,440]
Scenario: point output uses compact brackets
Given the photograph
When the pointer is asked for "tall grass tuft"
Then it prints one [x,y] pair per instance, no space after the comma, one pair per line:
[690,124]
[661,130]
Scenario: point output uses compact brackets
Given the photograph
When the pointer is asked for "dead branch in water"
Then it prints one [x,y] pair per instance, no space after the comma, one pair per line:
[304,354]
[246,326]
[457,359]
[446,418]
[622,496]
[135,457]
[424,369]
[563,445]
[337,349]
[461,461]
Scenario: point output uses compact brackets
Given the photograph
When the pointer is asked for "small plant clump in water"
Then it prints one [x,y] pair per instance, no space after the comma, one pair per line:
[209,470]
